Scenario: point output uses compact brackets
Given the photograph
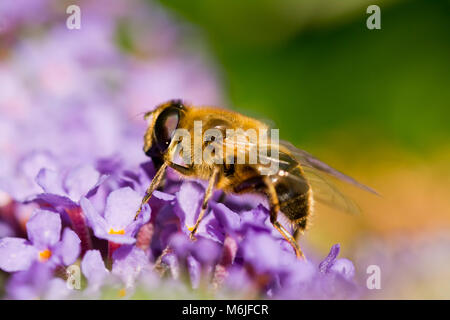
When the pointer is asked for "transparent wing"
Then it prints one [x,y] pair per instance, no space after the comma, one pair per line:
[245,147]
[303,157]
[325,191]
[308,160]
[317,175]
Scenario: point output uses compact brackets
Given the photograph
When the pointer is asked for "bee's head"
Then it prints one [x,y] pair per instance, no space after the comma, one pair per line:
[163,121]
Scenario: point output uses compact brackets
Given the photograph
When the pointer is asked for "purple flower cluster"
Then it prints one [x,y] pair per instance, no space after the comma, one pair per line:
[72,171]
[236,248]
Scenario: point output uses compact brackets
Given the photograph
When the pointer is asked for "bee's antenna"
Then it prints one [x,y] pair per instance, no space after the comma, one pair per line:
[148,114]
[143,113]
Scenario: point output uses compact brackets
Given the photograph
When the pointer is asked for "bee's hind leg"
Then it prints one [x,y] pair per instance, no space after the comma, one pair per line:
[299,228]
[274,209]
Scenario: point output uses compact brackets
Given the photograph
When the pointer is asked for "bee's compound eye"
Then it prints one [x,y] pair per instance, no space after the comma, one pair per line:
[149,153]
[165,127]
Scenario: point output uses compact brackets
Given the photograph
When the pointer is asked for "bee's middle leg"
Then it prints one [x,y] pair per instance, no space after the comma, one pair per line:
[274,209]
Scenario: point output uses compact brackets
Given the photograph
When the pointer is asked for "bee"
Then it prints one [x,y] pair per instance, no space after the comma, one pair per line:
[298,181]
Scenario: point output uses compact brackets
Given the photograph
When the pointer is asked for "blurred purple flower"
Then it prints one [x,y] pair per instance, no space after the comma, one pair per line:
[118,224]
[195,271]
[331,264]
[66,192]
[265,253]
[24,186]
[37,283]
[204,250]
[129,262]
[188,203]
[94,270]
[45,244]
[15,13]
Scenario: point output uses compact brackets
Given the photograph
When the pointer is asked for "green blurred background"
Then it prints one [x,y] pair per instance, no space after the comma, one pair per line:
[374,103]
[313,67]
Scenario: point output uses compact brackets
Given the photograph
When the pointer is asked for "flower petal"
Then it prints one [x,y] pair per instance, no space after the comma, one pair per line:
[95,220]
[50,181]
[129,261]
[206,251]
[121,207]
[16,254]
[93,191]
[94,268]
[229,220]
[163,196]
[181,244]
[194,269]
[142,219]
[344,267]
[256,219]
[80,181]
[31,283]
[101,227]
[189,199]
[57,290]
[171,260]
[117,238]
[56,201]
[265,252]
[68,249]
[328,262]
[34,161]
[44,228]
[211,229]
[21,184]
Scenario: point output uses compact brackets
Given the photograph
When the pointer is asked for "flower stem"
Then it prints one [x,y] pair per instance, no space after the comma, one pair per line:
[112,246]
[80,227]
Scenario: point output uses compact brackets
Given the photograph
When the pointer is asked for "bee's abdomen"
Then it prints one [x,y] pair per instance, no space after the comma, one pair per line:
[294,198]
[296,208]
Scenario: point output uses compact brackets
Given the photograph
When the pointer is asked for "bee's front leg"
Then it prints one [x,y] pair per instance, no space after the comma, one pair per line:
[208,194]
[153,185]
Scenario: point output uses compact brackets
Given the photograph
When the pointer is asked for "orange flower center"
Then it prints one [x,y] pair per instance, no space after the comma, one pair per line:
[45,255]
[122,293]
[112,231]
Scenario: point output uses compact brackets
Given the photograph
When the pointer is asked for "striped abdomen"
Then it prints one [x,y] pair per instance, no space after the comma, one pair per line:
[294,194]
